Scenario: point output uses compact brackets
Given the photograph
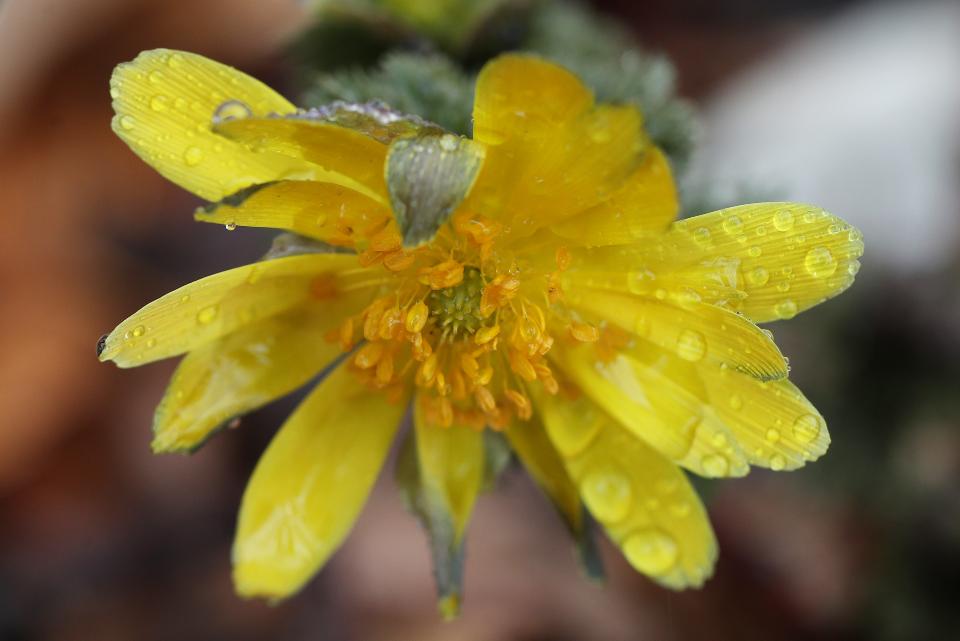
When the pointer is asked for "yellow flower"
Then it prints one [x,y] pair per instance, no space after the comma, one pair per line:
[531,281]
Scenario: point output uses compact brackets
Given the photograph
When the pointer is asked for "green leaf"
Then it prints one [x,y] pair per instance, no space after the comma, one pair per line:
[428,176]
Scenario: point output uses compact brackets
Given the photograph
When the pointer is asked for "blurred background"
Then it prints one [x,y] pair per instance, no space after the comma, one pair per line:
[853,105]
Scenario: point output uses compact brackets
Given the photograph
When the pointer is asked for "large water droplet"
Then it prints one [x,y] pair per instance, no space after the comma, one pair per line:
[820,262]
[777,462]
[786,309]
[230,225]
[232,110]
[806,428]
[127,122]
[702,236]
[715,465]
[607,495]
[758,276]
[207,314]
[773,435]
[733,225]
[139,331]
[783,220]
[192,156]
[651,551]
[691,345]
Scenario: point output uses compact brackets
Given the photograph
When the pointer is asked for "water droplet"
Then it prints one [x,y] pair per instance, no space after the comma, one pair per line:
[853,268]
[230,225]
[660,294]
[155,77]
[820,262]
[680,509]
[691,345]
[185,298]
[854,235]
[773,435]
[139,331]
[207,314]
[719,440]
[231,110]
[736,402]
[114,92]
[783,220]
[777,462]
[127,122]
[783,287]
[607,495]
[159,102]
[151,343]
[175,61]
[651,551]
[192,156]
[806,428]
[733,225]
[715,464]
[786,309]
[448,142]
[754,251]
[758,276]
[702,236]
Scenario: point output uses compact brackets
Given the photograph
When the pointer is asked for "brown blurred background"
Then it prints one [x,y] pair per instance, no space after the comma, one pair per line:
[852,105]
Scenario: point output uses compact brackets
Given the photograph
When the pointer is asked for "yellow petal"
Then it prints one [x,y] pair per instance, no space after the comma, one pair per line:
[245,370]
[644,502]
[666,415]
[645,205]
[774,423]
[451,463]
[786,257]
[164,103]
[695,332]
[531,445]
[310,485]
[215,306]
[348,157]
[325,211]
[518,92]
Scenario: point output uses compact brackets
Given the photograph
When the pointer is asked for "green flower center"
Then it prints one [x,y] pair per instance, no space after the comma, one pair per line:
[455,310]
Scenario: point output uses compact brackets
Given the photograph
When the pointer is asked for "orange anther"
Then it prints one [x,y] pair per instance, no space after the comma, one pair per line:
[416,317]
[368,355]
[584,332]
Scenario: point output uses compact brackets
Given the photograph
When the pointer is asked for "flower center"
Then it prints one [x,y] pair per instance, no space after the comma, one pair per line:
[455,311]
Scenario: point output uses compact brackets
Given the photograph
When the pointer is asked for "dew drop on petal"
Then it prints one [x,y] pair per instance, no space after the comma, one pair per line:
[127,122]
[232,110]
[777,462]
[820,263]
[733,225]
[139,331]
[691,345]
[702,236]
[206,315]
[773,435]
[230,225]
[192,156]
[783,220]
[736,402]
[806,428]
[786,309]
[715,464]
[758,276]
[607,495]
[651,550]
[159,102]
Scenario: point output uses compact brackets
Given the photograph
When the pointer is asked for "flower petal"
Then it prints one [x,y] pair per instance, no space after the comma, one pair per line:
[645,205]
[696,332]
[217,305]
[540,458]
[774,423]
[348,157]
[442,489]
[325,211]
[788,257]
[667,416]
[245,370]
[164,102]
[516,93]
[310,485]
[645,503]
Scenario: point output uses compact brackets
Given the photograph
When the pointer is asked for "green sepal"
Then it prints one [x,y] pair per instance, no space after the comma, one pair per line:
[496,458]
[428,176]
[447,553]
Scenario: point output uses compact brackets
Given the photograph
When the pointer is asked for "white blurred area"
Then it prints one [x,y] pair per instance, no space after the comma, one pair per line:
[861,117]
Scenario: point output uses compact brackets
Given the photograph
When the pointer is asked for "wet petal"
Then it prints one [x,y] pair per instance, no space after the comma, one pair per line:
[310,485]
[217,305]
[645,205]
[787,257]
[164,103]
[696,332]
[245,370]
[667,416]
[776,426]
[644,502]
[324,211]
[347,157]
